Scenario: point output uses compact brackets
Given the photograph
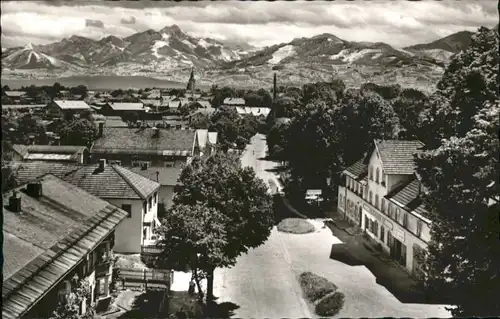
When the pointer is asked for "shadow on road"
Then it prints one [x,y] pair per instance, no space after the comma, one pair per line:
[145,305]
[354,252]
[223,310]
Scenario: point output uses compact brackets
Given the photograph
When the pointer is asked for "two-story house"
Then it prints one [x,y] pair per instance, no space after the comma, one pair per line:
[132,192]
[118,185]
[382,196]
[54,235]
[149,150]
[50,153]
[67,108]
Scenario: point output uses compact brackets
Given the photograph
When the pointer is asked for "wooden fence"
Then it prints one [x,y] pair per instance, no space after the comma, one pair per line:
[146,278]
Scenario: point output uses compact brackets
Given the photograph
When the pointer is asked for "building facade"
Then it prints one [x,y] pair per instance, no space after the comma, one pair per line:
[381,196]
[67,236]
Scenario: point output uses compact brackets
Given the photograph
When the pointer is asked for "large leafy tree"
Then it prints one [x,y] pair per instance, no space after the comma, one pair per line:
[220,211]
[79,132]
[235,131]
[460,172]
[408,106]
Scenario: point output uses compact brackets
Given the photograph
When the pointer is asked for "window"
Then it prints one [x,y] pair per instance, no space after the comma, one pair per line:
[375,228]
[341,200]
[396,216]
[169,164]
[367,223]
[382,233]
[389,209]
[370,172]
[419,228]
[382,178]
[150,203]
[128,209]
[145,207]
[365,192]
[141,164]
[377,176]
[370,197]
[155,198]
[376,200]
[405,220]
[382,205]
[102,286]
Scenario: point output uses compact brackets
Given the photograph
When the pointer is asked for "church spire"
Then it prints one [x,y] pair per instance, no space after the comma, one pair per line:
[191,83]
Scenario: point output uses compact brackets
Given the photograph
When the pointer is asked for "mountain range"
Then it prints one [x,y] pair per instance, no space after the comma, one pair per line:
[169,53]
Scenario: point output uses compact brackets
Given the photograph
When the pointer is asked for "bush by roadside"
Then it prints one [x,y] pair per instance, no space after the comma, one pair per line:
[315,287]
[295,226]
[322,294]
[330,305]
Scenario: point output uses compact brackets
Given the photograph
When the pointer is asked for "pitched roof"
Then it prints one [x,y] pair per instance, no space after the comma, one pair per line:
[58,230]
[113,182]
[174,103]
[25,150]
[233,101]
[357,170]
[28,171]
[397,155]
[23,106]
[149,102]
[15,93]
[167,176]
[126,106]
[144,141]
[407,195]
[72,105]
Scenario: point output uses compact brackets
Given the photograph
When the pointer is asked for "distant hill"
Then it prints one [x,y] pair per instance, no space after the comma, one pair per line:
[111,82]
[143,58]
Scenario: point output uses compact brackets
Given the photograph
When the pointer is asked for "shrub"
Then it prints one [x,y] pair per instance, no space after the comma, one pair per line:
[331,305]
[295,226]
[315,287]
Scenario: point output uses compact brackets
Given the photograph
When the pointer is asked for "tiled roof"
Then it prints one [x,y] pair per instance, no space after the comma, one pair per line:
[23,106]
[167,176]
[397,155]
[15,93]
[234,101]
[357,169]
[113,182]
[72,104]
[24,150]
[58,230]
[207,111]
[174,104]
[407,194]
[28,171]
[127,106]
[144,141]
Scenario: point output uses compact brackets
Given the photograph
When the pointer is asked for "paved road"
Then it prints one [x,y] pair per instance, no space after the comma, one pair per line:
[254,151]
[263,283]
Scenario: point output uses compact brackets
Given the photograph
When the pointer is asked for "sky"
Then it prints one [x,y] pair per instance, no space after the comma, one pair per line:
[259,23]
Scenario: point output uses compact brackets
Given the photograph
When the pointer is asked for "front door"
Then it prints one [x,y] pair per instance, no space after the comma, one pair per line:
[360,213]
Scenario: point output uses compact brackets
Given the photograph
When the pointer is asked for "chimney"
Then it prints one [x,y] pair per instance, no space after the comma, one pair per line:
[157,176]
[274,87]
[34,189]
[15,202]
[156,132]
[102,164]
[101,129]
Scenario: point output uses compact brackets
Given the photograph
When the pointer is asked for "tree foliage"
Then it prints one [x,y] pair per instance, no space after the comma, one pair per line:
[460,172]
[220,211]
[69,308]
[235,131]
[79,132]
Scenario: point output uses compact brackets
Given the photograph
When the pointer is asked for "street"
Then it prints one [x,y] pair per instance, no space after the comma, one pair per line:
[264,282]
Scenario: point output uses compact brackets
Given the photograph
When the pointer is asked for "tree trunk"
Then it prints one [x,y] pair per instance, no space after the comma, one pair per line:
[197,280]
[210,284]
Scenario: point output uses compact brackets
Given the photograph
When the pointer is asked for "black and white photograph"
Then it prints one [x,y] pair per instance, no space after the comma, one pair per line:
[250,159]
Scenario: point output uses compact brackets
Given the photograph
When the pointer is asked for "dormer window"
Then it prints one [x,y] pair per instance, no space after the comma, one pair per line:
[377,175]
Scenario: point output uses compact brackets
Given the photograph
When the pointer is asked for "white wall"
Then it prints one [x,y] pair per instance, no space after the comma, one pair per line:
[128,234]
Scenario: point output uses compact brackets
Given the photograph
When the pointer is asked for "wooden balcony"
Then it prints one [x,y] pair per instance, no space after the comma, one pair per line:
[102,269]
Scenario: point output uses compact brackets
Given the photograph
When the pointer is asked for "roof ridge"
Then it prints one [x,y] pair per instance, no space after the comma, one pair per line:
[129,182]
[126,179]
